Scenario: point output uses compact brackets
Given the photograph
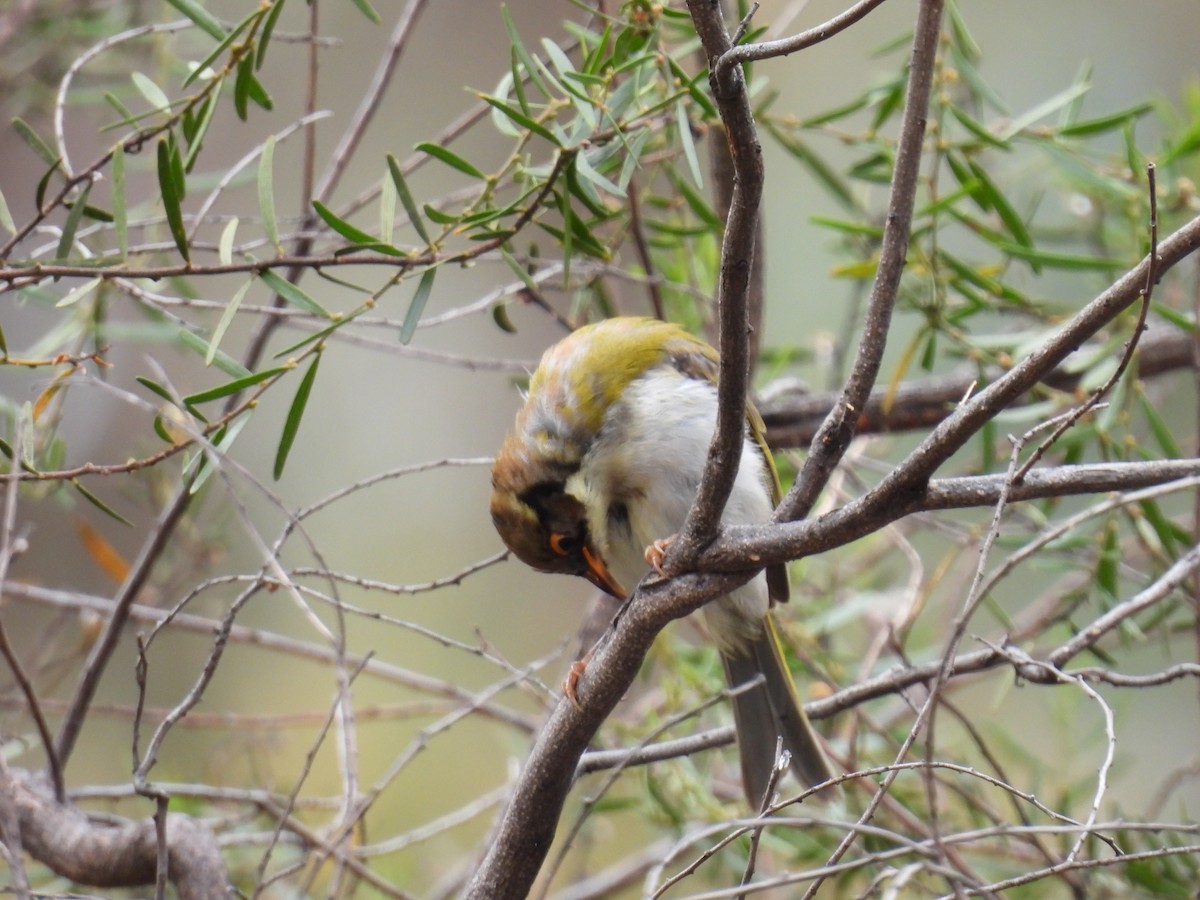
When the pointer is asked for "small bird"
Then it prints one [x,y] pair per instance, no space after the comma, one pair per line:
[602,467]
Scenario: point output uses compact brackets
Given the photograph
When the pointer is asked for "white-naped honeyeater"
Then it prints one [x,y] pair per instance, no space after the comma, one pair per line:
[604,463]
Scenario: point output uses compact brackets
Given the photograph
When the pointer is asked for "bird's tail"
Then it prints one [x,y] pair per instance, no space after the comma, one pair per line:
[767,712]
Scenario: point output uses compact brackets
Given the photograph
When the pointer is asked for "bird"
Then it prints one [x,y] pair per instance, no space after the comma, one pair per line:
[600,470]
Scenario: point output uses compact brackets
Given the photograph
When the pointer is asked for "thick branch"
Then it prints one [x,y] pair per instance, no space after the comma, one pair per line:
[737,253]
[123,855]
[792,419]
[901,492]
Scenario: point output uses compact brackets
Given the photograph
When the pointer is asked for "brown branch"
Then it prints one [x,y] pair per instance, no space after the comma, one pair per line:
[834,437]
[792,418]
[744,53]
[902,490]
[737,254]
[115,855]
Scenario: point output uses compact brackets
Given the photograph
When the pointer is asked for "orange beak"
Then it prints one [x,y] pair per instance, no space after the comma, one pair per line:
[597,573]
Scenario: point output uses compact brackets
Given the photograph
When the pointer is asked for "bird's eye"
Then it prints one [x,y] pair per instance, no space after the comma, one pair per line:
[563,544]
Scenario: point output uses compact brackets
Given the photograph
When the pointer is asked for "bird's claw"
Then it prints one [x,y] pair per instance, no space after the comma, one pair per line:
[571,682]
[656,553]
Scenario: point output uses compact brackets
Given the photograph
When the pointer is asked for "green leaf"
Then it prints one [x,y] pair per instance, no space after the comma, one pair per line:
[225,244]
[268,29]
[440,218]
[451,159]
[585,168]
[387,209]
[231,309]
[221,47]
[292,294]
[342,227]
[233,387]
[152,92]
[98,503]
[420,296]
[368,10]
[406,199]
[521,119]
[120,210]
[292,424]
[78,293]
[40,147]
[1043,109]
[221,359]
[171,200]
[978,129]
[6,218]
[266,192]
[514,40]
[71,225]
[1060,260]
[202,17]
[221,442]
[1106,123]
[684,127]
[196,141]
[1012,221]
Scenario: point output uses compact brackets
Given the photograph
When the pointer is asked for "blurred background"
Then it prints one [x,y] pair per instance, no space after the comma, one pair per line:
[448,396]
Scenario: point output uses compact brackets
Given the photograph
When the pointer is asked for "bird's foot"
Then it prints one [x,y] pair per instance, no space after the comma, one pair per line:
[656,553]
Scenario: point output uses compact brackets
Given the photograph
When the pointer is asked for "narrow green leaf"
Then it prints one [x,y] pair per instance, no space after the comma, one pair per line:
[292,294]
[152,92]
[120,210]
[440,218]
[588,171]
[291,425]
[241,88]
[206,117]
[1012,221]
[1106,123]
[78,293]
[202,17]
[221,359]
[176,166]
[258,93]
[519,270]
[1061,260]
[514,39]
[451,159]
[342,227]
[521,119]
[98,503]
[71,225]
[978,129]
[1163,433]
[155,388]
[857,228]
[368,10]
[40,147]
[199,68]
[406,199]
[222,441]
[388,197]
[420,296]
[171,199]
[233,387]
[1043,109]
[225,244]
[6,218]
[684,127]
[266,192]
[231,309]
[268,30]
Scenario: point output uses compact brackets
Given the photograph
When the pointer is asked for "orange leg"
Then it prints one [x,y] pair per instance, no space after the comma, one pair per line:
[655,554]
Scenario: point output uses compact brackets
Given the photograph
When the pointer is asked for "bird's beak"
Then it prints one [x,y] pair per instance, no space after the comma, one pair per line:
[597,573]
